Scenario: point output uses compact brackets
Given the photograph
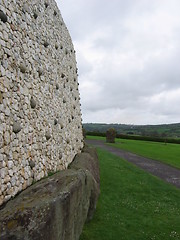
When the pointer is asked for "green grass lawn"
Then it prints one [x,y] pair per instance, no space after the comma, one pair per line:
[133,204]
[168,153]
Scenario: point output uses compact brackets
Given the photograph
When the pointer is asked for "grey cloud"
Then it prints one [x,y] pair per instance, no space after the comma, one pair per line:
[128,57]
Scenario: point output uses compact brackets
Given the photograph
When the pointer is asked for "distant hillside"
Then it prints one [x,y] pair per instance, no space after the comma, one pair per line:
[164,130]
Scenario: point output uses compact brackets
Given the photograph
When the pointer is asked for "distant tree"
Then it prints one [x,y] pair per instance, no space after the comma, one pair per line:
[130,133]
[154,133]
[110,135]
[143,132]
[163,135]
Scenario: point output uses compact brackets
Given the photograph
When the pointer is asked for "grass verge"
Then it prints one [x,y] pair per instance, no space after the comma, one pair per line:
[133,204]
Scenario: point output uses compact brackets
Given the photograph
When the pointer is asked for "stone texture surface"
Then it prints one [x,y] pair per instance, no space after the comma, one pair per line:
[110,135]
[56,207]
[38,84]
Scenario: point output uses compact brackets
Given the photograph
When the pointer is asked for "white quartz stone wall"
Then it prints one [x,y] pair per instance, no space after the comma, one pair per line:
[40,118]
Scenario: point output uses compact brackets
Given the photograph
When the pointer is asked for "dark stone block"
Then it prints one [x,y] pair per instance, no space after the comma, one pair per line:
[16,127]
[35,15]
[110,135]
[46,44]
[22,68]
[32,103]
[3,16]
[31,163]
[47,135]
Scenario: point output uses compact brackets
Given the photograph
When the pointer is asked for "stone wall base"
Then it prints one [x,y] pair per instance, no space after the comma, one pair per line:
[56,207]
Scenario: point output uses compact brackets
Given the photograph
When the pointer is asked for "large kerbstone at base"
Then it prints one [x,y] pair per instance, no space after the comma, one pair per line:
[57,207]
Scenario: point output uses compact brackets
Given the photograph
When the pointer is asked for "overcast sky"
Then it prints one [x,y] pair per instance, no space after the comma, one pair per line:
[128,54]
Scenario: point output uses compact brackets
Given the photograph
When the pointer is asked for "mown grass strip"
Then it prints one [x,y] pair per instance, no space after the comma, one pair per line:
[168,153]
[133,204]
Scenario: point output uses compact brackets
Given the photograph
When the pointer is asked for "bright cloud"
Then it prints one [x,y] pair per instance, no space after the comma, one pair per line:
[128,56]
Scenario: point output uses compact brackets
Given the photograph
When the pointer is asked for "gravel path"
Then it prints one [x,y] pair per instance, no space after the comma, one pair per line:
[161,170]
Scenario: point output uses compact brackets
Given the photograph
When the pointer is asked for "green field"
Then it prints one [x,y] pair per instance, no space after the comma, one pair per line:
[133,204]
[168,153]
[162,130]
